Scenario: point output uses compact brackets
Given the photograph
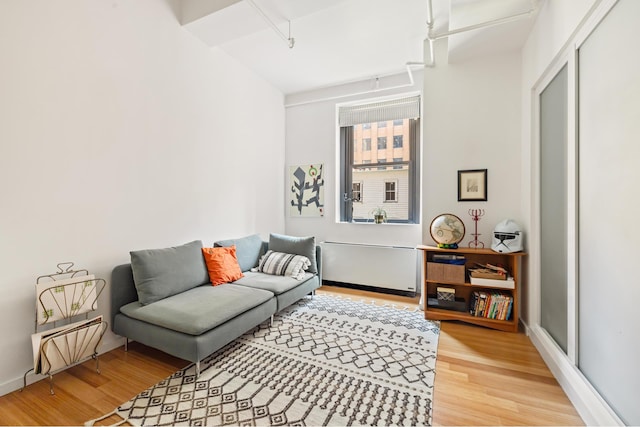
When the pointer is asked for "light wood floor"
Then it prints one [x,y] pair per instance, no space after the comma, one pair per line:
[483,377]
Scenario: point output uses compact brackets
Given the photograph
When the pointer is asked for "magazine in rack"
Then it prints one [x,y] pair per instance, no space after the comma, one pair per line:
[61,347]
[62,297]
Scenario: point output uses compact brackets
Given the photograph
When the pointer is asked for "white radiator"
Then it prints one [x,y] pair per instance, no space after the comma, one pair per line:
[389,267]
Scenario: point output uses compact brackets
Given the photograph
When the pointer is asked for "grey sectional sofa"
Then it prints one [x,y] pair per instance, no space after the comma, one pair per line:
[164,299]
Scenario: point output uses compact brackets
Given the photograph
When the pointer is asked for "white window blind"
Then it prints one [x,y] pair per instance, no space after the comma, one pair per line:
[395,109]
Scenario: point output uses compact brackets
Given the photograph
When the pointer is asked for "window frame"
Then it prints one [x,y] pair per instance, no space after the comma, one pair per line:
[357,192]
[400,139]
[386,191]
[347,167]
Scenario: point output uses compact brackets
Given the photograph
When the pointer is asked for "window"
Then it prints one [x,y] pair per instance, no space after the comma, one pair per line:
[390,193]
[366,144]
[356,192]
[382,124]
[397,141]
[388,179]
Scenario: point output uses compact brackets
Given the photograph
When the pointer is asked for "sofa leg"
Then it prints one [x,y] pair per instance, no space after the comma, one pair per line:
[197,369]
[126,344]
[271,320]
[313,293]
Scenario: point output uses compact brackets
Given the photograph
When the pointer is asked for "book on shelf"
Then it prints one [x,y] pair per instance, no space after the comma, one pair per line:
[449,259]
[488,271]
[508,283]
[492,267]
[491,305]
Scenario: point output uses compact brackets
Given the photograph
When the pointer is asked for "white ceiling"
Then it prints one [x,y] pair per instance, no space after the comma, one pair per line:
[341,41]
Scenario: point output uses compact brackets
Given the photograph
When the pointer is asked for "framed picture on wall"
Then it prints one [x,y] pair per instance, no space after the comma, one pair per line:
[472,185]
[306,186]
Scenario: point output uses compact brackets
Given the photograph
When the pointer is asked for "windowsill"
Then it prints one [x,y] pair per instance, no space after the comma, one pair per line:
[373,223]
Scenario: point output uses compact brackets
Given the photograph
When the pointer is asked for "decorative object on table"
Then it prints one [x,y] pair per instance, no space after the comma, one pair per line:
[475,216]
[379,215]
[507,237]
[447,230]
[472,185]
[307,188]
[322,361]
[62,296]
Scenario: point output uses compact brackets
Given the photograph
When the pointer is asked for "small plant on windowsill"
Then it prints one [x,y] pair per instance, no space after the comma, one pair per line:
[379,215]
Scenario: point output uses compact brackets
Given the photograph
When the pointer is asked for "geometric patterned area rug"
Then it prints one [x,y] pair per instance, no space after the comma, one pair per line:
[324,361]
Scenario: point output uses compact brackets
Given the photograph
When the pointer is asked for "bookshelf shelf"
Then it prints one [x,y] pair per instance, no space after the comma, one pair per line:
[433,278]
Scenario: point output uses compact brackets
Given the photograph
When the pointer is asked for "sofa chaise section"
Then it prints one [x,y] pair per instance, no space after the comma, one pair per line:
[163,298]
[171,333]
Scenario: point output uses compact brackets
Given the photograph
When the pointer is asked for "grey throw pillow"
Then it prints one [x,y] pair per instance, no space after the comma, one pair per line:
[305,246]
[160,273]
[248,250]
[281,264]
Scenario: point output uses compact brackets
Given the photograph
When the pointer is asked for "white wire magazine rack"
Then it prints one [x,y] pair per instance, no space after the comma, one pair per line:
[62,297]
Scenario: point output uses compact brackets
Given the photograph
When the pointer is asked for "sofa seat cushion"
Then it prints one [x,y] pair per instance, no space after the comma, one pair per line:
[200,309]
[268,282]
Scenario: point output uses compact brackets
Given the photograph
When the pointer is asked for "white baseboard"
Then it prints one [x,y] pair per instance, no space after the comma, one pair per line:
[590,405]
[17,383]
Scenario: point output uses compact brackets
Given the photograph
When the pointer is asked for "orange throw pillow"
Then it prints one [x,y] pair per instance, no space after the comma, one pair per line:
[222,265]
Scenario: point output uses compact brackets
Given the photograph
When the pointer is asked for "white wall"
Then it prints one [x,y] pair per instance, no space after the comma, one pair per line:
[312,137]
[119,131]
[472,121]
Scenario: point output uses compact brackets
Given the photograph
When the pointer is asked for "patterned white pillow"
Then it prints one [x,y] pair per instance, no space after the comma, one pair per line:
[282,264]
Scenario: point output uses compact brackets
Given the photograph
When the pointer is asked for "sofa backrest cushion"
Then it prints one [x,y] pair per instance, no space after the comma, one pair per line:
[248,250]
[305,246]
[160,273]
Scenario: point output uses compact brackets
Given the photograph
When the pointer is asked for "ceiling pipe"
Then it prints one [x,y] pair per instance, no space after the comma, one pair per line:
[290,40]
[432,56]
[491,23]
[431,37]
